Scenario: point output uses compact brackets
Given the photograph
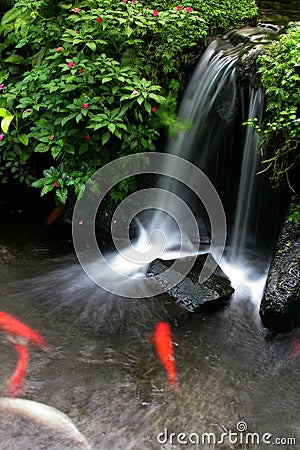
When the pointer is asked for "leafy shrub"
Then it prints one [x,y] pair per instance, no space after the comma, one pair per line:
[280,131]
[84,84]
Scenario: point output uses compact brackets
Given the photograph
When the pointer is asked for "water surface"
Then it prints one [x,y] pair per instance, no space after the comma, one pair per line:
[101,368]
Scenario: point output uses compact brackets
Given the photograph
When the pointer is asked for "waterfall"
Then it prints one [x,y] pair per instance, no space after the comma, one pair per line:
[242,235]
[214,109]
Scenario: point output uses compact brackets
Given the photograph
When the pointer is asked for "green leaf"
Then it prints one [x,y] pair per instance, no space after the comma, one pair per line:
[15,59]
[4,112]
[79,190]
[62,194]
[55,151]
[5,122]
[37,58]
[10,16]
[78,117]
[47,188]
[69,148]
[105,137]
[40,183]
[111,127]
[92,46]
[147,107]
[41,148]
[83,148]
[23,138]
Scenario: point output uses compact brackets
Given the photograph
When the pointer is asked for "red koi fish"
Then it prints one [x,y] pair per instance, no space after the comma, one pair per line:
[296,346]
[18,376]
[162,339]
[20,335]
[14,327]
[55,214]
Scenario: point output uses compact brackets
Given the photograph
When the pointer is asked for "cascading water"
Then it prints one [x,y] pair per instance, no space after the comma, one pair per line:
[214,109]
[242,237]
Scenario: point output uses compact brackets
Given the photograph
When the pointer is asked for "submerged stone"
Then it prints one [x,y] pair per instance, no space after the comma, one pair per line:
[189,293]
[280,306]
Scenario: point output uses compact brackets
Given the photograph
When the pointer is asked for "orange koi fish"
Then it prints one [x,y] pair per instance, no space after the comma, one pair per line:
[20,335]
[162,339]
[18,376]
[14,327]
[55,214]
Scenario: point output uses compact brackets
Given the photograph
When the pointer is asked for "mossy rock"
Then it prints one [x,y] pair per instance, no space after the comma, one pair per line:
[190,294]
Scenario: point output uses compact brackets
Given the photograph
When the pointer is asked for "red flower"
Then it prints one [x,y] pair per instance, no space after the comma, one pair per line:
[153,109]
[76,31]
[59,49]
[189,9]
[51,137]
[88,137]
[76,10]
[85,105]
[125,1]
[155,13]
[80,71]
[55,184]
[99,19]
[70,64]
[178,8]
[133,2]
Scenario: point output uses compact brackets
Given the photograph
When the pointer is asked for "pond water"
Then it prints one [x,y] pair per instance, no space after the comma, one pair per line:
[279,12]
[101,368]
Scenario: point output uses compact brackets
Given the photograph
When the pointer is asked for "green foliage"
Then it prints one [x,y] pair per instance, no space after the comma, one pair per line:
[280,131]
[294,212]
[85,83]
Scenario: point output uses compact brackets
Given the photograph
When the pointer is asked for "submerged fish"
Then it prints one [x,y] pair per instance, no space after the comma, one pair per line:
[46,415]
[20,335]
[14,327]
[162,339]
[18,376]
[55,214]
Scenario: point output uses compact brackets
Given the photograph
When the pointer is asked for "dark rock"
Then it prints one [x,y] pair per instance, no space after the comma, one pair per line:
[250,43]
[280,306]
[189,293]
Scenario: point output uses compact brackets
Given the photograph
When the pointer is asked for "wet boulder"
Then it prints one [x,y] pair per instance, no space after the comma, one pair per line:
[280,306]
[189,293]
